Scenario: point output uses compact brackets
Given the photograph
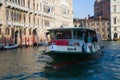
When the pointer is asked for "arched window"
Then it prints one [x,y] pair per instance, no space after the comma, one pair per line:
[7,31]
[24,31]
[34,32]
[115,35]
[29,31]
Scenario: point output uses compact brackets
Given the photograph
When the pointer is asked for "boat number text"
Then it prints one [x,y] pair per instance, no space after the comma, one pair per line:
[72,49]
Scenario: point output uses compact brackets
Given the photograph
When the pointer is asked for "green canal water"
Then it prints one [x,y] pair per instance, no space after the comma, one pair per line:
[31,64]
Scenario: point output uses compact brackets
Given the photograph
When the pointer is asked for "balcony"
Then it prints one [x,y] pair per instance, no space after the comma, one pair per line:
[31,26]
[48,27]
[37,12]
[16,6]
[27,25]
[30,10]
[50,15]
[66,16]
[36,26]
[11,23]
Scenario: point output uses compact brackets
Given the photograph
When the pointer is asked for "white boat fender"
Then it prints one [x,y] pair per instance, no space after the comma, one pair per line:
[93,48]
[85,49]
[97,46]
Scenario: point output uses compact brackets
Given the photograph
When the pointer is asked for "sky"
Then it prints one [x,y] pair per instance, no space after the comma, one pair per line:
[83,8]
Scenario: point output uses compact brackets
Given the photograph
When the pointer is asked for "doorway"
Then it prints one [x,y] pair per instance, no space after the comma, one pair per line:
[16,37]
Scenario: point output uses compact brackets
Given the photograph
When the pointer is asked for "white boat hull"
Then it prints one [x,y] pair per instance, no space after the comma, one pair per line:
[9,47]
[73,49]
[67,55]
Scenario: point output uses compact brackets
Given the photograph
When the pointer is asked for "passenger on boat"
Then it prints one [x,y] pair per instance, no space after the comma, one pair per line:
[89,39]
[94,38]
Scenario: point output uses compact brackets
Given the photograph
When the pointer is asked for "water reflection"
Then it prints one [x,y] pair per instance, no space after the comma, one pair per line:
[20,61]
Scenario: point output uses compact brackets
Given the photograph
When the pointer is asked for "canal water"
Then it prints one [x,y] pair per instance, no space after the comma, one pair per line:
[31,64]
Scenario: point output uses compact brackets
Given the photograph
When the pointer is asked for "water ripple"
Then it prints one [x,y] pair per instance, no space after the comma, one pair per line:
[31,64]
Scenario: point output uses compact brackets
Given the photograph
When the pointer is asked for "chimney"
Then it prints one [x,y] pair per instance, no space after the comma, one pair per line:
[89,16]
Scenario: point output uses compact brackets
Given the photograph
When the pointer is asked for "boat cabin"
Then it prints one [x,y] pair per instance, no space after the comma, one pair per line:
[72,36]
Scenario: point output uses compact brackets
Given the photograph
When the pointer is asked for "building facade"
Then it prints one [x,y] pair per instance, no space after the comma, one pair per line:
[109,9]
[102,8]
[100,25]
[25,21]
[115,19]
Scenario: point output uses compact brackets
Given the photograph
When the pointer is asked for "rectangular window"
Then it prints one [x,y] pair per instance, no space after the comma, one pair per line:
[18,2]
[24,17]
[40,6]
[64,10]
[34,19]
[37,6]
[34,6]
[114,8]
[29,3]
[103,30]
[42,23]
[29,31]
[24,31]
[38,21]
[114,20]
[46,9]
[46,22]
[19,15]
[12,32]
[115,28]
[7,14]
[7,31]
[29,19]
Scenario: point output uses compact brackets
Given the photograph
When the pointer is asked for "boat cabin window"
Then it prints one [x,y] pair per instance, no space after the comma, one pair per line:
[90,36]
[63,34]
[78,34]
[60,34]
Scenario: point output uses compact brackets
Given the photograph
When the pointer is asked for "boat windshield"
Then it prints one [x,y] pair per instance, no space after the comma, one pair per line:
[61,34]
[90,36]
[78,34]
[81,34]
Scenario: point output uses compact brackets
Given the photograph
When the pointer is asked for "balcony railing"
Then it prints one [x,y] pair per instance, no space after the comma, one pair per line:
[31,25]
[36,26]
[21,24]
[37,12]
[17,6]
[11,23]
[30,10]
[27,25]
[51,15]
[48,27]
[66,16]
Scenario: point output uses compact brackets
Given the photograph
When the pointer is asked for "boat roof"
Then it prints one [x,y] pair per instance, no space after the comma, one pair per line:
[70,28]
